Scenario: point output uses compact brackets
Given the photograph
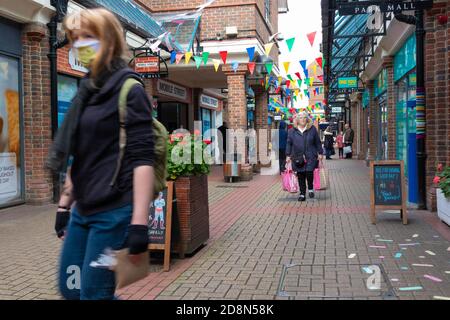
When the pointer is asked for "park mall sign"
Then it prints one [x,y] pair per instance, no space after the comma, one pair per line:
[366,7]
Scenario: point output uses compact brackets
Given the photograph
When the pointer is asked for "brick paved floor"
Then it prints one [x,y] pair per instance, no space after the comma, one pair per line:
[256,230]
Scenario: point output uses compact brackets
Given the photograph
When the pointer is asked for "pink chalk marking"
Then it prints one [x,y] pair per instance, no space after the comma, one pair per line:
[432,278]
[378,247]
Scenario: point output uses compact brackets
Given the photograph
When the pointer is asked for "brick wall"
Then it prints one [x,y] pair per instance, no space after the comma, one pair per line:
[37,119]
[388,64]
[437,73]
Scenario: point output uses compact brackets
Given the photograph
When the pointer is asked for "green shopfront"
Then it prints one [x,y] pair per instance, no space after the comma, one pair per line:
[405,92]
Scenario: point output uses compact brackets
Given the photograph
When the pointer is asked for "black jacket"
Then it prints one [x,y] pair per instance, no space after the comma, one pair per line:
[307,143]
[96,146]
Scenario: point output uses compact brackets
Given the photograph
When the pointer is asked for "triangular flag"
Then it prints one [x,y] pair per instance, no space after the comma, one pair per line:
[311,81]
[251,67]
[298,75]
[269,67]
[319,61]
[303,64]
[216,63]
[224,55]
[188,56]
[179,57]
[290,43]
[315,70]
[268,48]
[235,66]
[311,37]
[295,98]
[205,57]
[286,66]
[288,84]
[198,61]
[173,57]
[300,81]
[320,78]
[251,53]
[306,74]
[290,78]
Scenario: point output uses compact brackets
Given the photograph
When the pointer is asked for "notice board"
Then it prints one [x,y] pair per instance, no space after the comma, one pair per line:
[388,190]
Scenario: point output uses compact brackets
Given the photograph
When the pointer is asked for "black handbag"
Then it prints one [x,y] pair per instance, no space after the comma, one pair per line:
[300,161]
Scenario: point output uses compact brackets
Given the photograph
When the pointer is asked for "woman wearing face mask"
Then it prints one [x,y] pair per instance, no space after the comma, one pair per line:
[102,213]
[304,149]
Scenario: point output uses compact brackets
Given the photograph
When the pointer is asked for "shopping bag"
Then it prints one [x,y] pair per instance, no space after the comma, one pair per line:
[321,178]
[289,180]
[347,150]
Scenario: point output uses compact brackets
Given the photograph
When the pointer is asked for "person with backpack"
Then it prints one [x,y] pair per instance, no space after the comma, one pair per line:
[109,133]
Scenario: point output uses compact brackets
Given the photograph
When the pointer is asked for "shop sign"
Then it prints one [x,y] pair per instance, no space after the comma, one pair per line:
[75,64]
[347,82]
[364,7]
[208,101]
[8,175]
[412,80]
[146,64]
[336,110]
[277,118]
[172,90]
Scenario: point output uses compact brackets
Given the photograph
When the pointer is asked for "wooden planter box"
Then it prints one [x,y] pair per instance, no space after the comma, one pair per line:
[191,217]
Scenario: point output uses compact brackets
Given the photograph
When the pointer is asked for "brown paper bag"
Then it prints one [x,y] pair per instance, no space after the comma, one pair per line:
[128,273]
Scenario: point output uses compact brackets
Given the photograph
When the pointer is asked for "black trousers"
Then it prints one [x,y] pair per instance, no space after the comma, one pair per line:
[282,158]
[349,155]
[303,177]
[341,152]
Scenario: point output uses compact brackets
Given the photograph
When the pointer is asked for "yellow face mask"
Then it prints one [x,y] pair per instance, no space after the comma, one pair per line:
[87,51]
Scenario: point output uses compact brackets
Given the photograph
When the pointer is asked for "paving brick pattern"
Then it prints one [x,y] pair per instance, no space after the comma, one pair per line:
[257,229]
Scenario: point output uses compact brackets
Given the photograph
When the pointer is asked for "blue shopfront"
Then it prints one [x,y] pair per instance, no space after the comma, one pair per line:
[405,87]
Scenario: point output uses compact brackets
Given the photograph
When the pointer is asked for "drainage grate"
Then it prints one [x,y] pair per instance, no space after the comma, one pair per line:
[335,281]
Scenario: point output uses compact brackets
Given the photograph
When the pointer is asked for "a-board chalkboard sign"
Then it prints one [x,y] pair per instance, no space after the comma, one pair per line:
[160,223]
[387,179]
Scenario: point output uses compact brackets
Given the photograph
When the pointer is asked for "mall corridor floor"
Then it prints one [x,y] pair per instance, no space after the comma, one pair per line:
[264,244]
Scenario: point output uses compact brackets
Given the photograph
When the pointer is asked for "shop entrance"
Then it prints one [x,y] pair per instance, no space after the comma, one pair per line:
[382,129]
[173,115]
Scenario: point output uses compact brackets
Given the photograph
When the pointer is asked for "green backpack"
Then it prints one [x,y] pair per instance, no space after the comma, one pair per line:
[160,137]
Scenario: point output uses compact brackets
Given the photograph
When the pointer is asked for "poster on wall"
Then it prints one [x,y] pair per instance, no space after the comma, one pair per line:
[10,139]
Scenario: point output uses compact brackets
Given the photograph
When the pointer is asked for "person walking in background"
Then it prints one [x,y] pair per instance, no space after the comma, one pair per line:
[328,143]
[303,150]
[106,197]
[282,137]
[349,136]
[340,144]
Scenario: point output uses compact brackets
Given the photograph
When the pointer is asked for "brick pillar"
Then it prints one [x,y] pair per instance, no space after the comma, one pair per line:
[354,125]
[261,117]
[437,62]
[37,114]
[363,133]
[388,64]
[373,123]
[237,101]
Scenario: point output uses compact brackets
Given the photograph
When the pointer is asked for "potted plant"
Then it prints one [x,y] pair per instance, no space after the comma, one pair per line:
[442,179]
[189,173]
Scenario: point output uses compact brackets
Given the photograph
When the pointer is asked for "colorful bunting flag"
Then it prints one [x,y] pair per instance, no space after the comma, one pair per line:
[290,43]
[311,37]
[288,84]
[311,81]
[290,78]
[320,78]
[251,67]
[306,74]
[299,81]
[216,63]
[286,66]
[173,57]
[235,66]
[268,48]
[319,61]
[187,57]
[205,57]
[269,67]
[198,61]
[303,64]
[315,69]
[251,53]
[224,55]
[298,75]
[179,57]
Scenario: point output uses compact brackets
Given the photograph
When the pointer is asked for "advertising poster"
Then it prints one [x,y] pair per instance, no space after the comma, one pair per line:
[10,139]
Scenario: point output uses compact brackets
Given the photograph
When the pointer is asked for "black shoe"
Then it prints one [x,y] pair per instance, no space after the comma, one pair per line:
[311,194]
[302,198]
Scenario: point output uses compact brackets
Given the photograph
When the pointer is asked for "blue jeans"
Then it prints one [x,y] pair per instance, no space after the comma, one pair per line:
[86,239]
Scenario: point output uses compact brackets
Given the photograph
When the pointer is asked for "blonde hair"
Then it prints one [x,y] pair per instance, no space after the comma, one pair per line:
[296,121]
[107,28]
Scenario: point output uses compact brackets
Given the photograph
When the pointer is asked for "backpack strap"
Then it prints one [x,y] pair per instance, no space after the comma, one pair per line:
[124,91]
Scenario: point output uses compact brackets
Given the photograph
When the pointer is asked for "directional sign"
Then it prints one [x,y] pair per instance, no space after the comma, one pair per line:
[362,7]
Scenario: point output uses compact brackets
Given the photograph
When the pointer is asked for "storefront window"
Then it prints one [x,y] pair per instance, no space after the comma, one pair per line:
[206,123]
[67,89]
[11,170]
[173,115]
[401,115]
